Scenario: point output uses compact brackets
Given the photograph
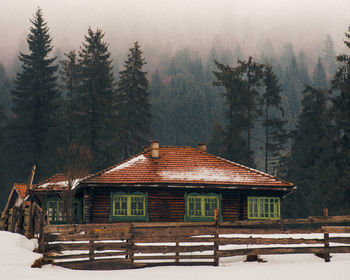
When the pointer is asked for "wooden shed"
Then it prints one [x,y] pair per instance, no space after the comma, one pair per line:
[176,184]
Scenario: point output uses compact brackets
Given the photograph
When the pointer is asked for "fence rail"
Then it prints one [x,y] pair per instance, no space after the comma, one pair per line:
[133,245]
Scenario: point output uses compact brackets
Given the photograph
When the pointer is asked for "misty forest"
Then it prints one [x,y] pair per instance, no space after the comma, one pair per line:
[286,113]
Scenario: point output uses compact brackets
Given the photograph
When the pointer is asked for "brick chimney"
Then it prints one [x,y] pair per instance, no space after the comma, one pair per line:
[202,147]
[154,145]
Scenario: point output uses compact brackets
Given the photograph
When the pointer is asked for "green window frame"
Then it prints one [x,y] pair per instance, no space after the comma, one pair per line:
[126,206]
[54,209]
[262,207]
[201,207]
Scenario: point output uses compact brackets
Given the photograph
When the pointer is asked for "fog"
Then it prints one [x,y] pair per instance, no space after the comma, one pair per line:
[164,26]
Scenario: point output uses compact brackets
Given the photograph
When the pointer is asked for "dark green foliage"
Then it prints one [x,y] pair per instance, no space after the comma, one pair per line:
[311,163]
[71,78]
[275,134]
[341,117]
[234,143]
[96,93]
[134,116]
[35,100]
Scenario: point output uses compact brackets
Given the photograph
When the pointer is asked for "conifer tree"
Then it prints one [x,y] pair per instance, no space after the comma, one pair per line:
[71,77]
[133,105]
[35,97]
[311,163]
[97,98]
[329,56]
[319,77]
[275,134]
[234,142]
[341,117]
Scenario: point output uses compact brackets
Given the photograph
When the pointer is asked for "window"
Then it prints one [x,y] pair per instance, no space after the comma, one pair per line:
[128,206]
[263,207]
[201,207]
[55,215]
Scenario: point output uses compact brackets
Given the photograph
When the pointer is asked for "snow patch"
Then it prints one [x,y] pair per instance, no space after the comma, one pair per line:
[138,159]
[206,174]
[75,183]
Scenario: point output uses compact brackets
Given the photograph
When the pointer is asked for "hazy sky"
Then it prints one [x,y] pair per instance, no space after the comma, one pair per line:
[168,25]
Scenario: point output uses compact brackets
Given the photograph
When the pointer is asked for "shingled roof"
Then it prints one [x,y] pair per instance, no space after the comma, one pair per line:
[21,189]
[57,182]
[185,166]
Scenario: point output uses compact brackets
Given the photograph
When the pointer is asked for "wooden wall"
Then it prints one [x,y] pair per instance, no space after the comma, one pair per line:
[167,205]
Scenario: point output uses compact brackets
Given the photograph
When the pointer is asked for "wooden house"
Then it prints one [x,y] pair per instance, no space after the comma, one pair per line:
[16,197]
[177,184]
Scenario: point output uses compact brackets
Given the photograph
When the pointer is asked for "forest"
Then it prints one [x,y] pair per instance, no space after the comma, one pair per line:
[272,112]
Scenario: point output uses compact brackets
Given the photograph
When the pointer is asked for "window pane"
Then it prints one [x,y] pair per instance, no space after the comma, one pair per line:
[120,205]
[137,205]
[210,204]
[194,206]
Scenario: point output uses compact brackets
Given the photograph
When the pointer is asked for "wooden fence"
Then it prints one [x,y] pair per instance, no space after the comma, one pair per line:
[25,219]
[132,245]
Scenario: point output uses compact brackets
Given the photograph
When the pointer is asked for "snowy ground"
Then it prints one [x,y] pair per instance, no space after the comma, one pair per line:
[16,257]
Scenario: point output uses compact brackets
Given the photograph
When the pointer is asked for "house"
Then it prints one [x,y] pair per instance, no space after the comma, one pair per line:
[166,184]
[176,184]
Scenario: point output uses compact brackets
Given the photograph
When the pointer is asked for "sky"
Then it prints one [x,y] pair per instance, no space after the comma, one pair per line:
[168,25]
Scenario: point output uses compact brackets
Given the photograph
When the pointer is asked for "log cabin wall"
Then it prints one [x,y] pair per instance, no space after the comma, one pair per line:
[164,204]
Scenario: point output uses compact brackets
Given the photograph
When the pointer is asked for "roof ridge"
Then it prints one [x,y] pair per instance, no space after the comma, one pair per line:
[48,179]
[111,167]
[246,167]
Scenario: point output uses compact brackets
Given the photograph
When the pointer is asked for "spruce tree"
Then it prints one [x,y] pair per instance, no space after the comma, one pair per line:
[329,56]
[319,77]
[35,98]
[96,109]
[134,116]
[236,123]
[341,117]
[71,77]
[275,134]
[312,159]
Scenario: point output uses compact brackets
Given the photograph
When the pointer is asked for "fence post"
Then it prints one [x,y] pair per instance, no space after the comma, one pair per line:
[91,250]
[327,257]
[130,253]
[41,239]
[216,236]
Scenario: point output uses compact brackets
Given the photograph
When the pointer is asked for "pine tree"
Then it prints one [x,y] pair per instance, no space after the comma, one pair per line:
[97,98]
[341,117]
[133,105]
[311,163]
[71,77]
[35,97]
[329,56]
[251,73]
[275,134]
[319,77]
[234,140]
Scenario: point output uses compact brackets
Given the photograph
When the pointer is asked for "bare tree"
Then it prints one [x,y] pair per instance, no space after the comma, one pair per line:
[75,162]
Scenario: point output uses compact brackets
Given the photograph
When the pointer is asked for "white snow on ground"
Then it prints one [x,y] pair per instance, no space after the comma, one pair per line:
[16,257]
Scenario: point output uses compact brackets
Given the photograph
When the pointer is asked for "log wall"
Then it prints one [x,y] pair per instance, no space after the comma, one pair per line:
[166,205]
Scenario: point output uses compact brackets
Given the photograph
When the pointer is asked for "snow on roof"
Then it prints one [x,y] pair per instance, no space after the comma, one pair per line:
[183,165]
[129,163]
[206,174]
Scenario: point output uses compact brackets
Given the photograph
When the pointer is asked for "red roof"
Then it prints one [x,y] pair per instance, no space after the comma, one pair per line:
[21,188]
[57,182]
[183,165]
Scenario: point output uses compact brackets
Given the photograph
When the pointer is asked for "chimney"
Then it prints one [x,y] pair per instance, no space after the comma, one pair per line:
[154,145]
[202,147]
